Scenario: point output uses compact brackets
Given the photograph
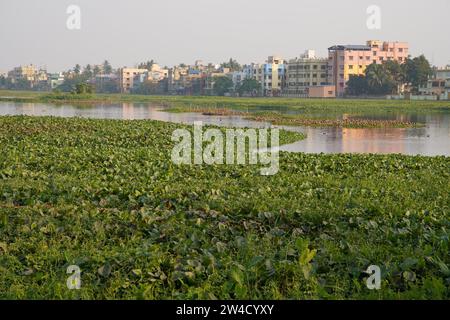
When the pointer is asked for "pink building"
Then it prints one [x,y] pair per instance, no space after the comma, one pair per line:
[347,60]
[322,92]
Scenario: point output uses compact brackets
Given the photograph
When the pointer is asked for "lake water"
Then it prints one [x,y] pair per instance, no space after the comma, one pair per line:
[431,140]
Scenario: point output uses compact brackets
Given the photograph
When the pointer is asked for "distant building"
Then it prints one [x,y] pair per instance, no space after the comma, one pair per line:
[273,76]
[211,79]
[347,60]
[324,91]
[126,78]
[23,73]
[36,77]
[438,85]
[305,72]
[253,71]
[238,77]
[55,80]
[176,79]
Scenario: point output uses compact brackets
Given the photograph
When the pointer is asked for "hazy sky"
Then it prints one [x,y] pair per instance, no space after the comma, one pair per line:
[175,31]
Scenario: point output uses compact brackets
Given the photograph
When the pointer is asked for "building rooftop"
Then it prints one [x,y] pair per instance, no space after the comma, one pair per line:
[351,47]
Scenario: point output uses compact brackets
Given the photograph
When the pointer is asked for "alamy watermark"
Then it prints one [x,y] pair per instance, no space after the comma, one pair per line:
[373,282]
[74,280]
[212,146]
[374,19]
[73,21]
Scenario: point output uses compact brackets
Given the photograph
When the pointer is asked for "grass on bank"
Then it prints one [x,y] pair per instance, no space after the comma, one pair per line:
[243,104]
[104,195]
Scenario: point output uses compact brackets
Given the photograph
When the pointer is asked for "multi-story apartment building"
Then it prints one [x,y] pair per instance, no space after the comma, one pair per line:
[126,78]
[253,71]
[23,73]
[347,60]
[29,73]
[305,72]
[238,77]
[438,85]
[273,75]
[175,79]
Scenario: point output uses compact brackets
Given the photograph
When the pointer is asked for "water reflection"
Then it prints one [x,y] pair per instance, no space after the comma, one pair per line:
[432,140]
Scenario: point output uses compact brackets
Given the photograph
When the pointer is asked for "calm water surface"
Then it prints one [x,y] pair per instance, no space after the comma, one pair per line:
[432,140]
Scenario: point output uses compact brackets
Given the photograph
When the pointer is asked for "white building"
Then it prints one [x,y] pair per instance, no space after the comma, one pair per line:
[438,85]
[55,79]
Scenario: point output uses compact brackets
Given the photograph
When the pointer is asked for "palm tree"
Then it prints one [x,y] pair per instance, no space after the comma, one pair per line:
[376,75]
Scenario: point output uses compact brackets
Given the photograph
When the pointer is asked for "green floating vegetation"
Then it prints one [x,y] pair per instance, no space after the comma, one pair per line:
[105,196]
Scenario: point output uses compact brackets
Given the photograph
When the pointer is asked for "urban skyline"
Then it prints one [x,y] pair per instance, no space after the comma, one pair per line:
[179,32]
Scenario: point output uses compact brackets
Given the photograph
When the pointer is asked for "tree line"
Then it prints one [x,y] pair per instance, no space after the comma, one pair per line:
[391,77]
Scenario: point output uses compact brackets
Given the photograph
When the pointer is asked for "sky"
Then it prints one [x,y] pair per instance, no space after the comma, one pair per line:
[182,31]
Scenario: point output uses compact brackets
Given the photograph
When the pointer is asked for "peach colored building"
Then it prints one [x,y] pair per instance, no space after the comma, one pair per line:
[347,60]
[326,91]
[126,78]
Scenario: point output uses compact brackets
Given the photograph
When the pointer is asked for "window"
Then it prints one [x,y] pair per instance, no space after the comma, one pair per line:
[367,58]
[350,58]
[315,67]
[330,92]
[350,66]
[400,49]
[375,53]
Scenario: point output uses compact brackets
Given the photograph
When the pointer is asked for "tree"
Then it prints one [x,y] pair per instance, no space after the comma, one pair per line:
[87,72]
[396,73]
[146,65]
[417,72]
[249,86]
[233,65]
[222,85]
[84,88]
[390,76]
[3,82]
[107,85]
[77,69]
[147,87]
[107,69]
[96,70]
[378,80]
[357,85]
[70,84]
